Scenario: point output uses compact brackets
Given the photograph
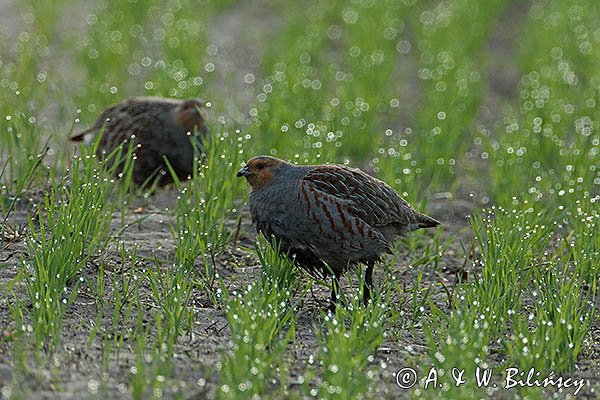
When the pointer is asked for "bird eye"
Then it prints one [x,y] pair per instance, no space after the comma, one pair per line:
[260,166]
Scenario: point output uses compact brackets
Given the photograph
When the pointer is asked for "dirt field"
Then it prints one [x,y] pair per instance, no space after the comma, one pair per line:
[76,370]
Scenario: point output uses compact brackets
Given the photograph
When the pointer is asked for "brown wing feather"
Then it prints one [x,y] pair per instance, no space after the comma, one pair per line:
[123,116]
[363,196]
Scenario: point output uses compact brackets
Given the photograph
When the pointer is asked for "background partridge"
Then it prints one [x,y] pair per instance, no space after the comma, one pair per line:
[159,127]
[328,215]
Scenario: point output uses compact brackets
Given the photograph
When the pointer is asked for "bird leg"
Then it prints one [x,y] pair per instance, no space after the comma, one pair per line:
[335,289]
[368,284]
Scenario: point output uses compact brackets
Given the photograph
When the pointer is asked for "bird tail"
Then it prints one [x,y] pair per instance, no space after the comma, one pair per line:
[83,136]
[425,221]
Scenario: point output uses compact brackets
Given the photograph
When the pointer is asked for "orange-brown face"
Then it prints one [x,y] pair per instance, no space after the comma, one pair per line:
[259,171]
[189,117]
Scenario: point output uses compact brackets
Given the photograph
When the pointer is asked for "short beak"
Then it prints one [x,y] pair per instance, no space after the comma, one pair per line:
[244,172]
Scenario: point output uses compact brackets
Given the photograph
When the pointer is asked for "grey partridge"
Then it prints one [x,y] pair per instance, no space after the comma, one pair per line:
[328,217]
[159,127]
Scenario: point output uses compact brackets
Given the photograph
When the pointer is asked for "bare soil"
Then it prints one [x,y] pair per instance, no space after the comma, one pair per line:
[76,370]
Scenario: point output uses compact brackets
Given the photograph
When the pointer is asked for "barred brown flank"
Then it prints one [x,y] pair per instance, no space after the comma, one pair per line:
[315,195]
[360,226]
[345,221]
